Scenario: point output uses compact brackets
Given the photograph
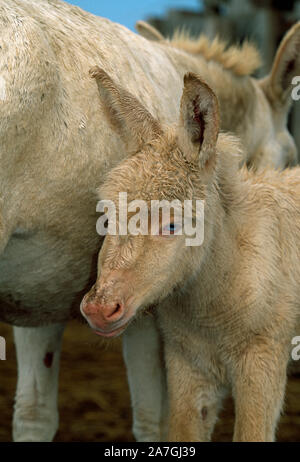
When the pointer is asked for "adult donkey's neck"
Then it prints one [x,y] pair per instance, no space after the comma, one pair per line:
[150,70]
[55,123]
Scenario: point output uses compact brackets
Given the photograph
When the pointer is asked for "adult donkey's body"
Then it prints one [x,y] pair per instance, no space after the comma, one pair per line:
[56,145]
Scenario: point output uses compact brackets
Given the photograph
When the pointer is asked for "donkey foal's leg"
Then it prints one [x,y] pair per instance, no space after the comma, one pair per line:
[142,355]
[38,353]
[259,387]
[194,401]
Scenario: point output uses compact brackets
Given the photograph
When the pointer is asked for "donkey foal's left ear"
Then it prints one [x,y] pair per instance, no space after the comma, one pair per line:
[199,121]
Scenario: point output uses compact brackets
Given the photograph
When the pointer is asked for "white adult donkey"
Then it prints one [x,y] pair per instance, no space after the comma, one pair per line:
[57,144]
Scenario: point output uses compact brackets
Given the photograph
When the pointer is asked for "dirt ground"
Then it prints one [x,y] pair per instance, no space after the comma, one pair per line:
[94,400]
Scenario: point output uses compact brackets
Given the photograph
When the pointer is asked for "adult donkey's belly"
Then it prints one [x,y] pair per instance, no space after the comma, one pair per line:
[42,280]
[56,149]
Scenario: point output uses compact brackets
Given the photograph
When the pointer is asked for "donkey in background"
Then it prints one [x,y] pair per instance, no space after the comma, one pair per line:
[233,58]
[56,147]
[227,309]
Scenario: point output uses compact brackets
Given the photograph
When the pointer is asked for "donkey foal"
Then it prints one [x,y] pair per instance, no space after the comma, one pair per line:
[227,309]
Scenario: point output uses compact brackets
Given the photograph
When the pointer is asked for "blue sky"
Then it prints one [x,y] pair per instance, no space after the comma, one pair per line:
[127,12]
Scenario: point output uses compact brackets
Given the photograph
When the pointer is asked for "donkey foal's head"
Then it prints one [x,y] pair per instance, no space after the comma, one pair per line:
[179,164]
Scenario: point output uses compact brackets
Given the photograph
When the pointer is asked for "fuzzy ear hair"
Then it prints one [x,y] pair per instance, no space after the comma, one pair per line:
[199,121]
[286,65]
[148,32]
[135,125]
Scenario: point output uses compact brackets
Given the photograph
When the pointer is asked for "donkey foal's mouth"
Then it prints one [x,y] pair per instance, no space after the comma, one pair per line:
[113,333]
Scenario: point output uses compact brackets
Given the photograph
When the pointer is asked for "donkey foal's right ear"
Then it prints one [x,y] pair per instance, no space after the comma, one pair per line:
[131,120]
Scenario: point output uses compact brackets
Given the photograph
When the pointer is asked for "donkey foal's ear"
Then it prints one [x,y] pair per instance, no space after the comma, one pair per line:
[199,121]
[131,120]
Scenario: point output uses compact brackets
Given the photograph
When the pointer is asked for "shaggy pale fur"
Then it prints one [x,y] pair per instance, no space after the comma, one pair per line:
[227,309]
[243,60]
[56,145]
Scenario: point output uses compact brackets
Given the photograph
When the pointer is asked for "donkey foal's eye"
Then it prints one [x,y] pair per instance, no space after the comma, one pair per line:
[170,229]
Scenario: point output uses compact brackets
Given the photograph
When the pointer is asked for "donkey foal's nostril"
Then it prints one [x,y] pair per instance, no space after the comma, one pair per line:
[116,310]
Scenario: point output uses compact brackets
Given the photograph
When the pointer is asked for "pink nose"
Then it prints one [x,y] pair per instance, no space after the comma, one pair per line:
[102,315]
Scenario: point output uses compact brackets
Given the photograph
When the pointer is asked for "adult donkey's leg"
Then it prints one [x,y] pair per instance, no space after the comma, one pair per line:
[142,349]
[38,353]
